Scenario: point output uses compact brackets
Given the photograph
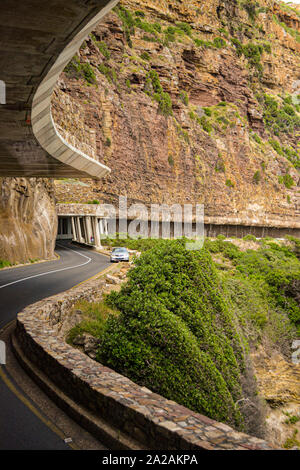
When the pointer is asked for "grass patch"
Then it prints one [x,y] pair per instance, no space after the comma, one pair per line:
[94,317]
[292,441]
[4,263]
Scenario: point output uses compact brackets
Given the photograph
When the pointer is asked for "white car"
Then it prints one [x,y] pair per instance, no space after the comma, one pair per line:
[119,254]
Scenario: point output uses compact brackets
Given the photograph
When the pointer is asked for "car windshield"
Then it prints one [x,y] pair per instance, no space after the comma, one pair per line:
[119,250]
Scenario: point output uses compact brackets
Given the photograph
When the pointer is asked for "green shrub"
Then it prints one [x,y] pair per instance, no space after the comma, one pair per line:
[276,269]
[4,263]
[165,103]
[128,23]
[250,238]
[94,201]
[251,8]
[292,441]
[219,43]
[279,118]
[145,56]
[291,419]
[207,111]
[109,72]
[238,46]
[185,27]
[76,69]
[256,138]
[229,183]
[253,53]
[152,28]
[206,125]
[287,180]
[141,14]
[202,43]
[257,177]
[175,334]
[154,89]
[276,146]
[184,97]
[292,156]
[102,46]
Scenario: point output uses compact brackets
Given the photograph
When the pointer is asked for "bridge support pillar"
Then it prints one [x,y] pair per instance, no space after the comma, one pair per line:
[96,231]
[74,229]
[89,230]
[78,229]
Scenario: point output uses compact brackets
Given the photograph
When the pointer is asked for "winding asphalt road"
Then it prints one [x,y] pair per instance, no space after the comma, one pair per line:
[20,428]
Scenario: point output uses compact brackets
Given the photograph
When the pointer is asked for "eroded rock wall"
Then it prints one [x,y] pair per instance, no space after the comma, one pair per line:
[28,221]
[224,158]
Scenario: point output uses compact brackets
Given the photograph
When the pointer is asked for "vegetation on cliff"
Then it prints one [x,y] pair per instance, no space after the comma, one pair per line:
[185,321]
[206,97]
[175,333]
[263,286]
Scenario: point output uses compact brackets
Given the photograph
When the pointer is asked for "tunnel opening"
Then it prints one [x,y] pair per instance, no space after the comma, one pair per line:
[84,229]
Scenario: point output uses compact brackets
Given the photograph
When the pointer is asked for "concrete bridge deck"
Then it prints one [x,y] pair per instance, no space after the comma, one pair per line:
[37,40]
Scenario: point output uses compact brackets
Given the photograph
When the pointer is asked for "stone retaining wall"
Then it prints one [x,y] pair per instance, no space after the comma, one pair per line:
[155,422]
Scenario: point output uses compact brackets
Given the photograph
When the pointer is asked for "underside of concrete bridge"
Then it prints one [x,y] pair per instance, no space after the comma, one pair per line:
[37,40]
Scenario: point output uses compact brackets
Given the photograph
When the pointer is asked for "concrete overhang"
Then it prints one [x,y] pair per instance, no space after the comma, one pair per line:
[37,40]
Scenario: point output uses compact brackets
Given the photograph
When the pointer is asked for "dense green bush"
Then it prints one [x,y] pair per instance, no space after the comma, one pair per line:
[185,27]
[76,69]
[219,43]
[175,333]
[145,56]
[154,89]
[128,21]
[279,118]
[287,180]
[206,125]
[4,263]
[109,72]
[251,8]
[275,267]
[184,97]
[253,53]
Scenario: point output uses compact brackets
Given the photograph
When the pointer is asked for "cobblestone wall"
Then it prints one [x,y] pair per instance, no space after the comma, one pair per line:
[157,423]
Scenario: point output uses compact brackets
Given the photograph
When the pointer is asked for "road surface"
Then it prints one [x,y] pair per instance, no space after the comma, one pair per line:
[20,428]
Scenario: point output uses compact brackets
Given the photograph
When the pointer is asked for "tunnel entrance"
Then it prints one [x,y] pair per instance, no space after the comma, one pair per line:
[64,231]
[85,229]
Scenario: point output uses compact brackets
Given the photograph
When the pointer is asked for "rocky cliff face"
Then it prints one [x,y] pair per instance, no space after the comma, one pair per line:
[27,219]
[192,102]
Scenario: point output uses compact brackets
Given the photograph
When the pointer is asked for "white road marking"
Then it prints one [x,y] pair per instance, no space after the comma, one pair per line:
[51,272]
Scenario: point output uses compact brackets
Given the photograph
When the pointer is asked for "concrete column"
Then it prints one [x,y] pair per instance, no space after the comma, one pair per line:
[74,229]
[100,225]
[104,227]
[78,229]
[96,232]
[89,231]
